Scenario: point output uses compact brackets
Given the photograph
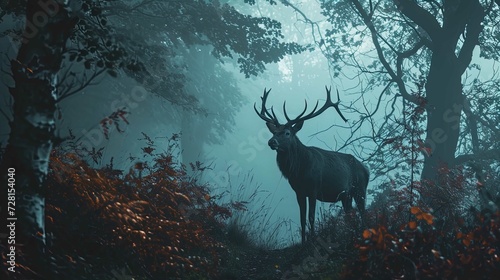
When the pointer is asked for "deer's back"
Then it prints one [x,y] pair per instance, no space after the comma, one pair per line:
[330,174]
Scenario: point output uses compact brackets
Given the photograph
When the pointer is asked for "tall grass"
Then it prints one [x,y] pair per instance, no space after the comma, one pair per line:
[254,220]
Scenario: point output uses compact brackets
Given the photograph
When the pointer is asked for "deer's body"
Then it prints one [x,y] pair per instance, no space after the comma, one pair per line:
[312,172]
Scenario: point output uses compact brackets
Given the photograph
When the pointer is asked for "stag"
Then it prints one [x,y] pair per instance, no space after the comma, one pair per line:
[312,172]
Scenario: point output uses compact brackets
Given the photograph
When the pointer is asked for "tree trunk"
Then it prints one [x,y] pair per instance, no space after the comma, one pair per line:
[444,96]
[462,19]
[48,26]
[192,139]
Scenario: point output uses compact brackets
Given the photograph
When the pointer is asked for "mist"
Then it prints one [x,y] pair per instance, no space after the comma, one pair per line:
[165,92]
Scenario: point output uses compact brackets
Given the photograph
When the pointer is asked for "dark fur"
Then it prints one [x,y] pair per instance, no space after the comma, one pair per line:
[318,174]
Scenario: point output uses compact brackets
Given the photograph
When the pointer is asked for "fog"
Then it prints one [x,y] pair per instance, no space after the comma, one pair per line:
[244,151]
[241,152]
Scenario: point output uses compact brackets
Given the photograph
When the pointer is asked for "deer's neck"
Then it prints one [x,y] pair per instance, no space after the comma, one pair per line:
[292,162]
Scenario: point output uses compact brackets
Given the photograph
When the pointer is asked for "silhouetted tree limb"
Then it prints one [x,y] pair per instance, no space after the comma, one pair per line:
[395,76]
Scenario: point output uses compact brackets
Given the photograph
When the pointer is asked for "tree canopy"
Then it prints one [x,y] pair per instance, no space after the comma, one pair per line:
[145,39]
[423,54]
[86,38]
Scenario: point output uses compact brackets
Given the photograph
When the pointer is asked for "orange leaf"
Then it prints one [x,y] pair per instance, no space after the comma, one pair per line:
[414,210]
[366,234]
[380,240]
[428,218]
[466,242]
[412,225]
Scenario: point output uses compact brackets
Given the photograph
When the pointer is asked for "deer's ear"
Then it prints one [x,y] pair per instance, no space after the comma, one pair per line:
[272,127]
[296,127]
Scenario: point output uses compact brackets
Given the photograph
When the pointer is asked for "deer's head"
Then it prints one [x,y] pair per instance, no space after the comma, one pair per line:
[284,135]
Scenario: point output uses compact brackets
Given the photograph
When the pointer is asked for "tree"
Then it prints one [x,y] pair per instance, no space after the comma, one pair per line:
[98,40]
[217,92]
[398,44]
[32,128]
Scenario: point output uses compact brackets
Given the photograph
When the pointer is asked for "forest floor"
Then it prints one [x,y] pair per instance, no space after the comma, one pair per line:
[315,260]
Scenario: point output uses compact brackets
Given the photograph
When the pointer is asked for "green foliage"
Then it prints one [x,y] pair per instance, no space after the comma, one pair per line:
[348,36]
[399,46]
[167,44]
[145,39]
[252,2]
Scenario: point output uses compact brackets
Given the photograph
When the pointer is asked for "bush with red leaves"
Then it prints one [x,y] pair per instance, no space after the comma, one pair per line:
[417,250]
[154,220]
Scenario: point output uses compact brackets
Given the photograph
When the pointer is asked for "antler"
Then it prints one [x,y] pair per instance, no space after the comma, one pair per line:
[264,114]
[315,113]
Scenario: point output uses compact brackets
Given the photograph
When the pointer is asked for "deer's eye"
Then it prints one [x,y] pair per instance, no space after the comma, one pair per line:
[287,133]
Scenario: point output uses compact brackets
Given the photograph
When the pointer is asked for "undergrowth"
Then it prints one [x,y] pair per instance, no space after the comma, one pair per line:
[152,222]
[157,222]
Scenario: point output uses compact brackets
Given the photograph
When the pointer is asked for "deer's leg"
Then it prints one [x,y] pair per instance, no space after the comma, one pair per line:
[359,197]
[312,211]
[347,203]
[302,207]
[359,191]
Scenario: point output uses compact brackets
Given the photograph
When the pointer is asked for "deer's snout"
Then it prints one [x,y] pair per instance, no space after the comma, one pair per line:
[273,143]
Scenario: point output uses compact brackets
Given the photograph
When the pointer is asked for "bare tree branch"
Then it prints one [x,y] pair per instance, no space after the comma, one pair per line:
[397,79]
[474,28]
[406,54]
[493,154]
[71,88]
[420,16]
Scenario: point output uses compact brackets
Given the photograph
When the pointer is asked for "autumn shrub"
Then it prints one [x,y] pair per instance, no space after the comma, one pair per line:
[418,250]
[442,229]
[446,229]
[154,220]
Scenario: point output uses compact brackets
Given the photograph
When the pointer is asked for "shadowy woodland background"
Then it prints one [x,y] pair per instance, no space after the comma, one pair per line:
[138,155]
